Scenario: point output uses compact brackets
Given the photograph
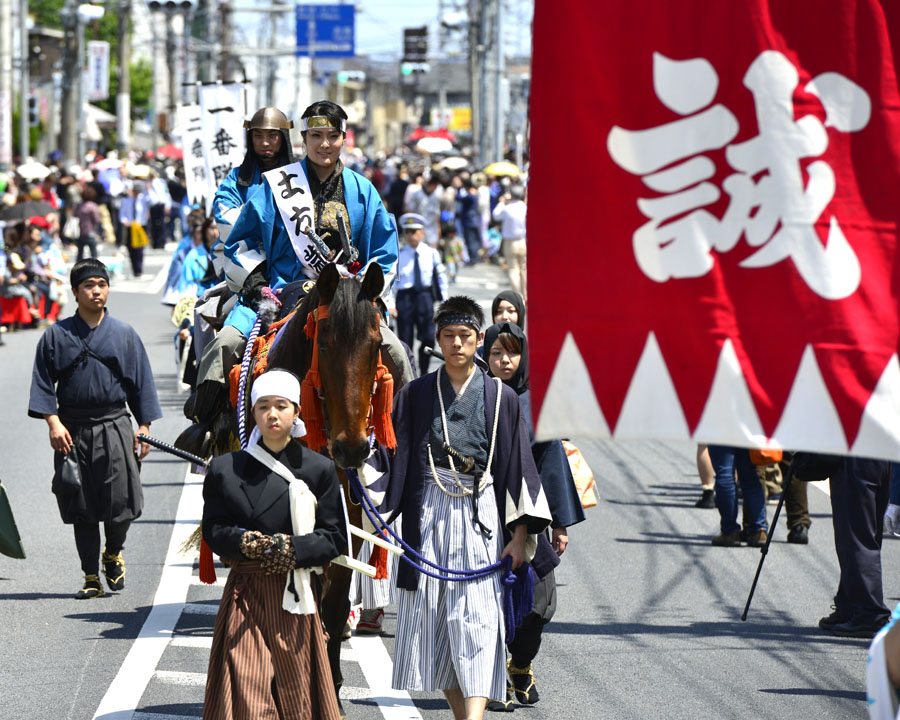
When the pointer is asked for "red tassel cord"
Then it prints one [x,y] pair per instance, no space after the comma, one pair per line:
[207,565]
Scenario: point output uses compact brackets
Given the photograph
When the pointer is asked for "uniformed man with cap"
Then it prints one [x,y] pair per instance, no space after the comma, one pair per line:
[421,280]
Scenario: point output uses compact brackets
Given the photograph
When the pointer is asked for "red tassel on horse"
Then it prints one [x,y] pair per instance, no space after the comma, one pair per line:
[207,565]
[382,405]
[378,559]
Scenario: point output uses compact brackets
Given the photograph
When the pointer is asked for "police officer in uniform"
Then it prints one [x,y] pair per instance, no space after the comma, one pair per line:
[421,280]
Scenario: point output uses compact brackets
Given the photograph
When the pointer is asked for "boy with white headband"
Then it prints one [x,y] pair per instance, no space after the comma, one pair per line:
[274,513]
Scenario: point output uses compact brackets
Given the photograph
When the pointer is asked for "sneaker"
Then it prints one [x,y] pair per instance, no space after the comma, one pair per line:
[92,588]
[370,622]
[829,621]
[727,540]
[758,538]
[114,569]
[523,683]
[774,499]
[859,628]
[506,705]
[799,535]
[707,500]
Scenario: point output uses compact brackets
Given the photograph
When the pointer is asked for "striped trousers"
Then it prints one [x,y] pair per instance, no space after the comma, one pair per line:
[266,663]
[451,634]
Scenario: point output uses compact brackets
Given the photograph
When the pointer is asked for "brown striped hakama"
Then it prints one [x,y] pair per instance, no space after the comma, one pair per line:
[266,663]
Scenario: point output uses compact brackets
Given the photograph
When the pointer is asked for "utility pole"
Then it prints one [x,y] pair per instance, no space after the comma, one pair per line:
[475,73]
[24,134]
[69,113]
[6,120]
[123,97]
[172,67]
[499,129]
[226,42]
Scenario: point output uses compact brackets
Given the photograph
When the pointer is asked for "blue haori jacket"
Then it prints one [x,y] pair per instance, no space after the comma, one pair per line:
[517,485]
[259,234]
[227,203]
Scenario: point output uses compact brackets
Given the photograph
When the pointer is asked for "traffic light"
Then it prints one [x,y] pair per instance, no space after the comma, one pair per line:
[351,75]
[409,68]
[171,5]
[33,118]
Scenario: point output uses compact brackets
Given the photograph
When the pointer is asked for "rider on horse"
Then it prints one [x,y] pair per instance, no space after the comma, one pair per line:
[259,253]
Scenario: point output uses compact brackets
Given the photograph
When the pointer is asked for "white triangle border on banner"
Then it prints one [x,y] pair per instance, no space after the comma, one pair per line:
[570,408]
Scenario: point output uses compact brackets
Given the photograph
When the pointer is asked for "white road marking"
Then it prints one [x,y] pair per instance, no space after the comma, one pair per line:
[157,283]
[172,677]
[200,609]
[377,667]
[128,687]
[220,576]
[355,693]
[161,716]
[192,641]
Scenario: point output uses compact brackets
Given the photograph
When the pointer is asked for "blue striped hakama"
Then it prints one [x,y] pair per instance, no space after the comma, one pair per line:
[450,634]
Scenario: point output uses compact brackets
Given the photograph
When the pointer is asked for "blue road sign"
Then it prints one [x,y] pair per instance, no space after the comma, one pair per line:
[329,28]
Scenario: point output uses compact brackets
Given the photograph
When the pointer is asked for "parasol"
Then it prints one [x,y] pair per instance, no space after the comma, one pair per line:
[172,152]
[502,168]
[10,540]
[452,163]
[25,210]
[433,145]
[33,170]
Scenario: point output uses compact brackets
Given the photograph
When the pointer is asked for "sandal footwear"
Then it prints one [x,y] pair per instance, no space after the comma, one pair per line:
[524,684]
[114,569]
[506,705]
[92,588]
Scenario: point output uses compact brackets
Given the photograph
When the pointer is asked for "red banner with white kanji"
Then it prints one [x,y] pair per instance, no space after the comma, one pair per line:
[714,202]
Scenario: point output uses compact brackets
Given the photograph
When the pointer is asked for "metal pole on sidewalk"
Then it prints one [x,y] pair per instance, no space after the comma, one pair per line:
[123,96]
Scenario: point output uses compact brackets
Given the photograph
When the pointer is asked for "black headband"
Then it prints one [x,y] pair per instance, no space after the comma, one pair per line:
[456,319]
[83,273]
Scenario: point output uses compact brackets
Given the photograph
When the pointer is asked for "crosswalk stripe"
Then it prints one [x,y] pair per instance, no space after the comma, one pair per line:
[192,641]
[378,669]
[162,716]
[173,677]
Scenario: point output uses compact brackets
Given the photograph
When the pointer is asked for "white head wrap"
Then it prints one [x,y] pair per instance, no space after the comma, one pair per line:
[279,383]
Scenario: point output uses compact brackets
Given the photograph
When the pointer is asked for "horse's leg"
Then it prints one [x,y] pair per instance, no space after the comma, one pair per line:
[336,602]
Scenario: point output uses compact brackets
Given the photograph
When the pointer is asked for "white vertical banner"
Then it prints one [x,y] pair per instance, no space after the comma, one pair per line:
[196,175]
[222,117]
[98,70]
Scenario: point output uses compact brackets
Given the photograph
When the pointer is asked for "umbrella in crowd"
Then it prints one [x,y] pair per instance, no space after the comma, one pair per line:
[433,145]
[502,168]
[452,163]
[171,151]
[139,172]
[25,210]
[33,171]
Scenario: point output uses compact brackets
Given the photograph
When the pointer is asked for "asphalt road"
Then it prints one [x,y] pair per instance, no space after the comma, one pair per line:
[648,624]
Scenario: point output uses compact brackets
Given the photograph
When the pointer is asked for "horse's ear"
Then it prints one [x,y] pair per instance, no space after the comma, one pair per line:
[327,283]
[373,282]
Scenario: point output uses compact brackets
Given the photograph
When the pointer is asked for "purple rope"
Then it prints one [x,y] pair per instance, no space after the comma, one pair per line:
[378,521]
[242,385]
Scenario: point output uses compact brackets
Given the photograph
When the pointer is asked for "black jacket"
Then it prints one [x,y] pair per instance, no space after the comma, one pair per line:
[240,494]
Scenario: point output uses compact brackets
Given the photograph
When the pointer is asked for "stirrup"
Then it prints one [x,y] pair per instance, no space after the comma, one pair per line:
[114,569]
[92,588]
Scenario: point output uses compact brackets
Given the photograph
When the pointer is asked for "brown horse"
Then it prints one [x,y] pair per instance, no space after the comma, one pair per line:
[348,345]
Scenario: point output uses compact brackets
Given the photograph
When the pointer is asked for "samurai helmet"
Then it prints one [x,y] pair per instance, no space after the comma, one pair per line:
[268,118]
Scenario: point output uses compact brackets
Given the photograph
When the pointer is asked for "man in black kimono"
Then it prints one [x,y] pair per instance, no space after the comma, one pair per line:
[89,370]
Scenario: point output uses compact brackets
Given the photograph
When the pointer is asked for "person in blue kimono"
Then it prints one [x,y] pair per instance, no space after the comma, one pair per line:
[268,147]
[450,635]
[90,369]
[259,253]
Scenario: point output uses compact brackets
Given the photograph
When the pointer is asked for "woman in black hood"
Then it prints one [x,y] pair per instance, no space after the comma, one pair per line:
[506,351]
[509,306]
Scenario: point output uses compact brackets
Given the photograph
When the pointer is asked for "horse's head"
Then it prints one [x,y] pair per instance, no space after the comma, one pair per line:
[349,340]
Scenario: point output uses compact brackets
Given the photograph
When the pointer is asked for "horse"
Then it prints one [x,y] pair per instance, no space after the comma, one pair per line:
[347,342]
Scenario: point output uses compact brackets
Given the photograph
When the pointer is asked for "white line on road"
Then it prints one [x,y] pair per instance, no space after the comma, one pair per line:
[377,667]
[162,716]
[137,670]
[192,641]
[173,677]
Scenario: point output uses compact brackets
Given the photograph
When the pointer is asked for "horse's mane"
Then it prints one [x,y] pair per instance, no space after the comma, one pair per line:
[349,315]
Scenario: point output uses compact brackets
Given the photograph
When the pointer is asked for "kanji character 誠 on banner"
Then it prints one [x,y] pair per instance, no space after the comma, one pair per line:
[740,247]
